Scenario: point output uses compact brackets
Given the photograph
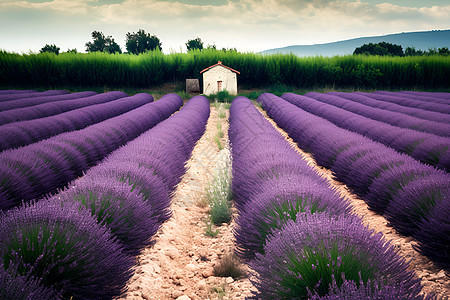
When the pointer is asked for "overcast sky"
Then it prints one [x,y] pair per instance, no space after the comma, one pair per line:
[247,25]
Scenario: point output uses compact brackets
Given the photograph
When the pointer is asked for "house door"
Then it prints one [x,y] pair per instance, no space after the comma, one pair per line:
[219,86]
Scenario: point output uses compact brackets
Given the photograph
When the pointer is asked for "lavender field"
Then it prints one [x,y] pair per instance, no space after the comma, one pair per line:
[87,182]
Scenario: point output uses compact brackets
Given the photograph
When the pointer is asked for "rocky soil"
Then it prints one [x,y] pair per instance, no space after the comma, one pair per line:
[181,263]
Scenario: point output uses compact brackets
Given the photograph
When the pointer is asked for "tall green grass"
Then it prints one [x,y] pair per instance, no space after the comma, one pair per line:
[257,70]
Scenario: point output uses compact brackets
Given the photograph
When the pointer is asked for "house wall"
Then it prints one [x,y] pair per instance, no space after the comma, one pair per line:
[219,73]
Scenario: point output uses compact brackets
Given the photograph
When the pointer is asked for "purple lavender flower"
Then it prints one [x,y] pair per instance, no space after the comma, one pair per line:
[279,201]
[342,239]
[129,217]
[350,289]
[66,248]
[15,286]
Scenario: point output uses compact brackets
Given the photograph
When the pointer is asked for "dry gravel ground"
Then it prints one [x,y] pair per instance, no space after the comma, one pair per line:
[180,264]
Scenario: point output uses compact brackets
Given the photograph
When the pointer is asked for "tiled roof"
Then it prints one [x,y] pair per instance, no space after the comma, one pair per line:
[219,64]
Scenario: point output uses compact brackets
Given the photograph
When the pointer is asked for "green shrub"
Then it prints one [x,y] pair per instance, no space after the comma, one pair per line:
[219,190]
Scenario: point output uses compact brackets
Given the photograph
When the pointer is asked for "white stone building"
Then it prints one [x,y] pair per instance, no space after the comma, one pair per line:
[218,78]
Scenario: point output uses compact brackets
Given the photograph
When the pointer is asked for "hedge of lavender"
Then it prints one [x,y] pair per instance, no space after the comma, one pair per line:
[124,199]
[389,117]
[7,92]
[430,94]
[401,100]
[15,286]
[442,98]
[411,111]
[271,183]
[130,190]
[28,102]
[32,171]
[426,147]
[274,190]
[404,190]
[52,108]
[23,133]
[65,249]
[15,95]
[306,256]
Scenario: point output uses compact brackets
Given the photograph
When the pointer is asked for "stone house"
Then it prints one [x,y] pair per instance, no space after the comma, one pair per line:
[218,78]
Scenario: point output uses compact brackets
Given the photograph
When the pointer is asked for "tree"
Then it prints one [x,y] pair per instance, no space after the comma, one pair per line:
[74,50]
[412,51]
[101,43]
[194,44]
[50,48]
[141,42]
[444,51]
[381,49]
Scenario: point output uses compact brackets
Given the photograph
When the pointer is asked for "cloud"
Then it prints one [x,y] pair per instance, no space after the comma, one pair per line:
[245,24]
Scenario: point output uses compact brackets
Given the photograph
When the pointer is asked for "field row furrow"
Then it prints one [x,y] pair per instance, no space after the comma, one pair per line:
[23,133]
[37,169]
[425,147]
[15,95]
[442,98]
[409,102]
[297,233]
[388,117]
[389,106]
[80,242]
[412,196]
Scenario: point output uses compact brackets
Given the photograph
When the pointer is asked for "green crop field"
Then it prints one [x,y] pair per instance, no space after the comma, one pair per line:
[153,69]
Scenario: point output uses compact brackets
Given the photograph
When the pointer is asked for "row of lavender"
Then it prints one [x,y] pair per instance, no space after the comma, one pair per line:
[297,233]
[426,147]
[29,110]
[427,101]
[414,197]
[23,133]
[9,95]
[401,107]
[11,106]
[37,169]
[394,118]
[80,242]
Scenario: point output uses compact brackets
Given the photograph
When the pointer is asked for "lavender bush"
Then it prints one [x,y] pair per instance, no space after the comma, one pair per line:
[126,213]
[381,176]
[7,92]
[149,185]
[280,200]
[64,247]
[15,286]
[442,98]
[349,289]
[53,108]
[42,104]
[26,173]
[26,132]
[389,117]
[412,111]
[406,215]
[34,94]
[407,101]
[434,234]
[426,147]
[307,254]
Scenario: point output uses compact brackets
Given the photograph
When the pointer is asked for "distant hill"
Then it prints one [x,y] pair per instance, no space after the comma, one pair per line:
[420,40]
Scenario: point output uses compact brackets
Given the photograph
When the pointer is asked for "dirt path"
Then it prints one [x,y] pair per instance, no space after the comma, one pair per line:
[180,264]
[434,280]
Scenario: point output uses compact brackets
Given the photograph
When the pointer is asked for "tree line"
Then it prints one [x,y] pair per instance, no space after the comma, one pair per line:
[135,43]
[388,49]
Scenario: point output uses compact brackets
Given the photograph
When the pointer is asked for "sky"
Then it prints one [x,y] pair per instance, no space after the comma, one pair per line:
[247,25]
